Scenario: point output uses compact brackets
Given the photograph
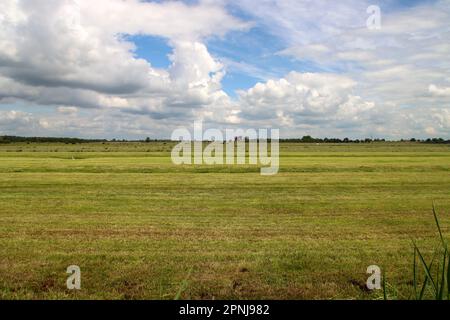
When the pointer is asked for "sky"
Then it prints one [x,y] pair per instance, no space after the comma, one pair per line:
[132,69]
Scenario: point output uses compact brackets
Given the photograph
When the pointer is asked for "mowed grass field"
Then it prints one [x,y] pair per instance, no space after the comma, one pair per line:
[141,228]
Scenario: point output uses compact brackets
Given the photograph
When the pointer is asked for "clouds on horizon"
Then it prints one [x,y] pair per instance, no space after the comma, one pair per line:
[77,59]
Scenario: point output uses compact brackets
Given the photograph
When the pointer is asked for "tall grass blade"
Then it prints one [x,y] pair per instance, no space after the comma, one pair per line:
[445,247]
[184,285]
[444,244]
[448,278]
[442,286]
[415,274]
[424,286]
[427,269]
[437,281]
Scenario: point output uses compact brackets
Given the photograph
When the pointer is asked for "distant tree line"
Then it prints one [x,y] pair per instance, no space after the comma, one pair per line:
[15,139]
[434,140]
[305,139]
[309,139]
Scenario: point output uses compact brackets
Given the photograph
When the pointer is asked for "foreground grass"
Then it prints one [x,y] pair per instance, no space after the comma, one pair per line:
[141,228]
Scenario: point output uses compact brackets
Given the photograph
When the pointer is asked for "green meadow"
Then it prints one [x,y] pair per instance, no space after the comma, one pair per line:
[140,227]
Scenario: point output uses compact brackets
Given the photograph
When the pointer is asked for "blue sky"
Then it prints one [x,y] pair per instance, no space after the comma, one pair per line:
[257,48]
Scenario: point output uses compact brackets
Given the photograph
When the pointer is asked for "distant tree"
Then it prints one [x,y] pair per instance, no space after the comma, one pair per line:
[308,139]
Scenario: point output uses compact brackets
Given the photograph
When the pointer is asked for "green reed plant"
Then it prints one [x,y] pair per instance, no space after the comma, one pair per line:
[431,280]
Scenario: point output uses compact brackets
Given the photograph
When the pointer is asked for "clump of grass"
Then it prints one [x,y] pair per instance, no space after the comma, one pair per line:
[184,285]
[435,274]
